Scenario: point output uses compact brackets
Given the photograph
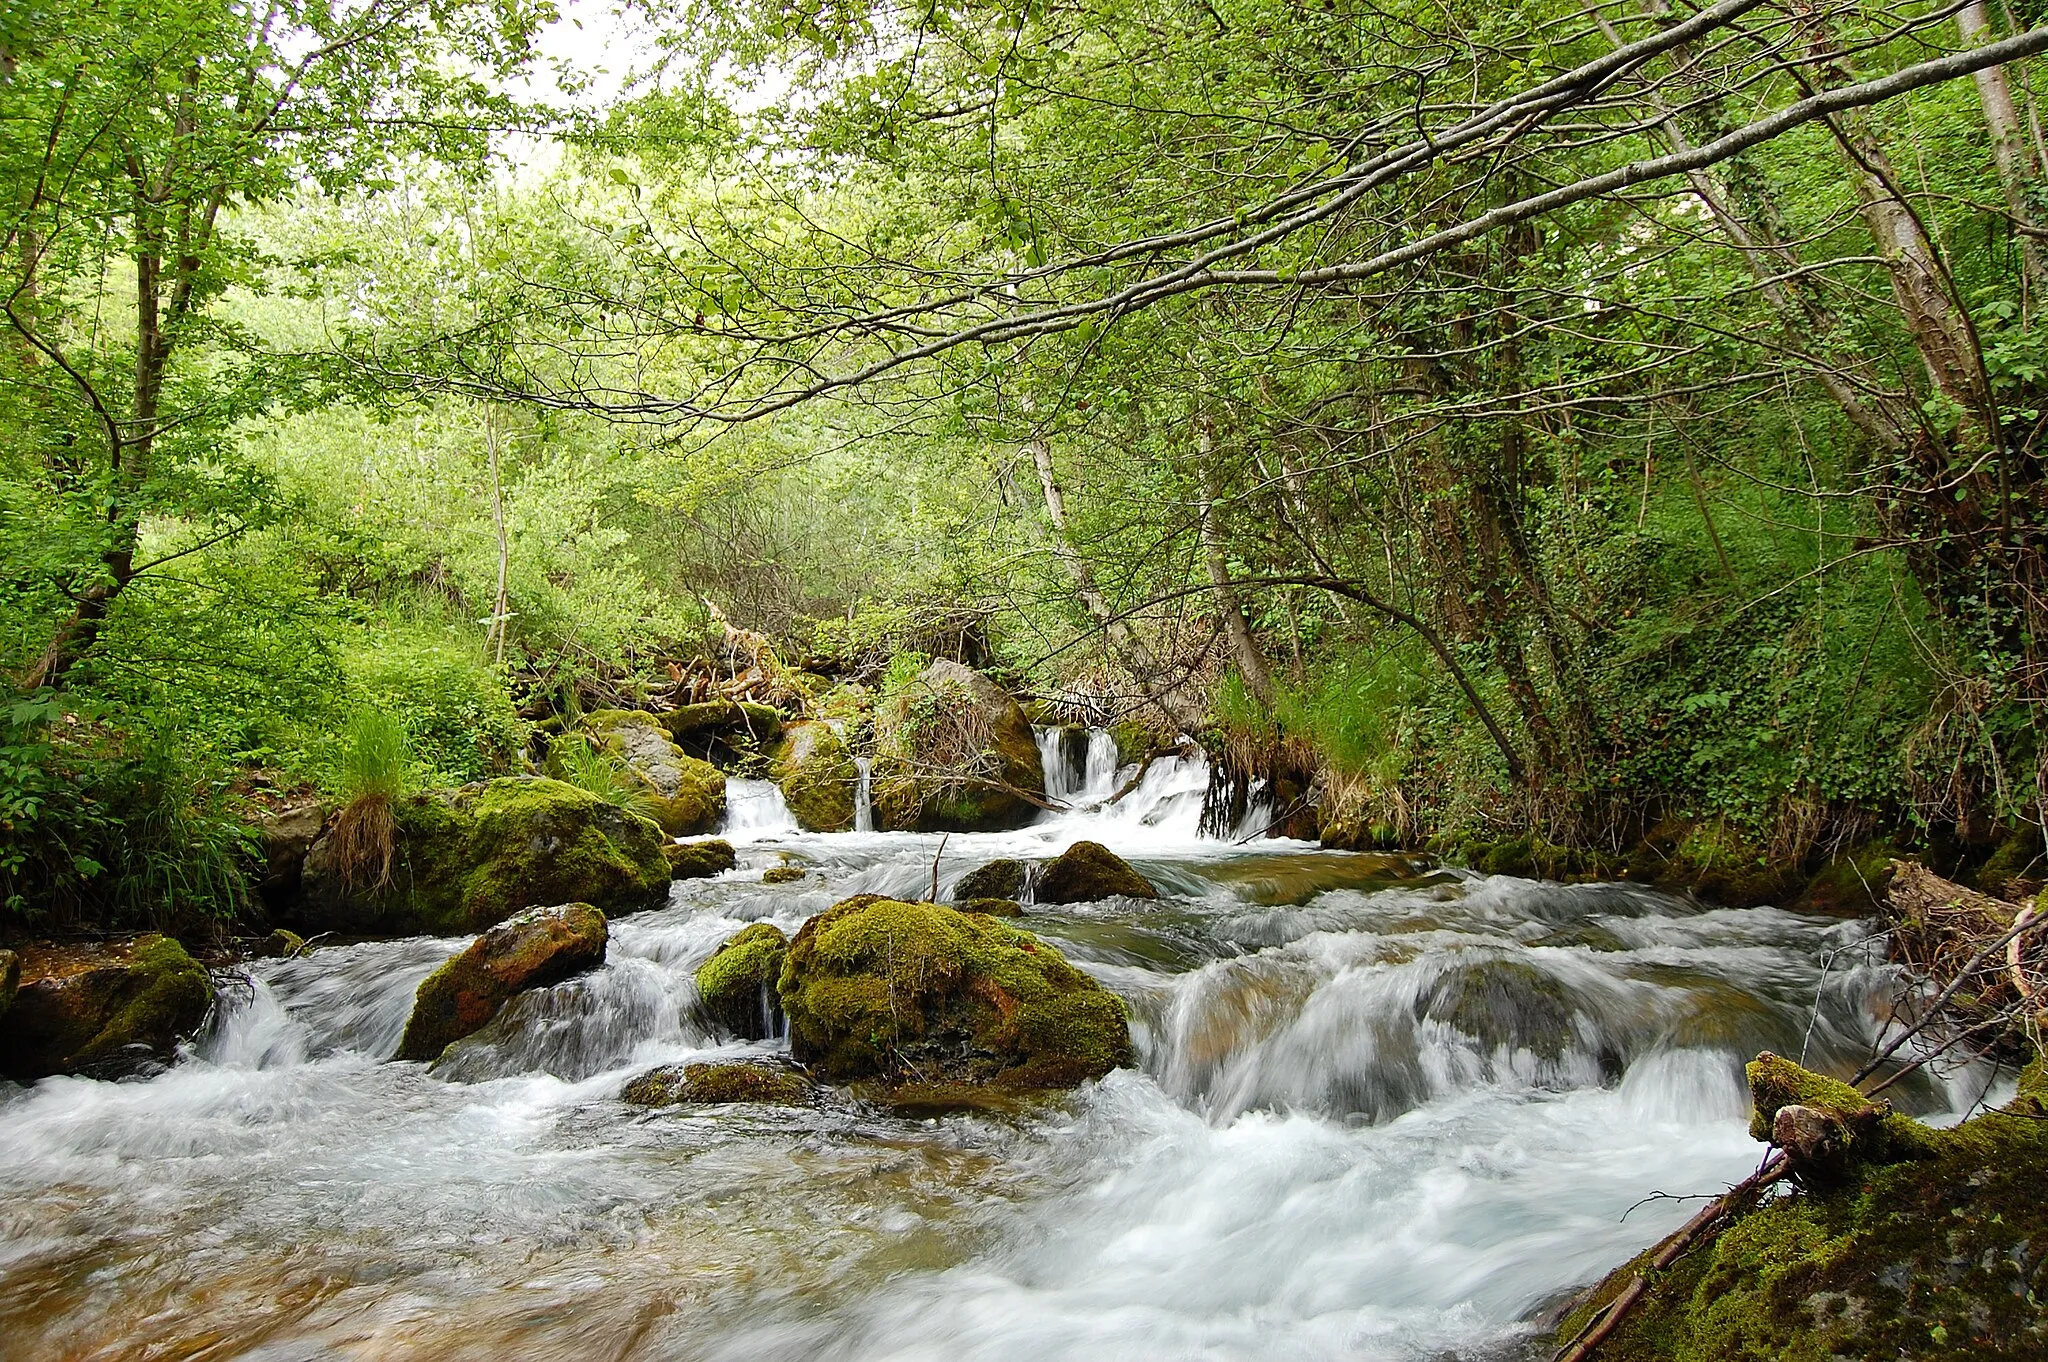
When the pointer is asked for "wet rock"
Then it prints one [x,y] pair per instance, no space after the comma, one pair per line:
[699,860]
[288,828]
[737,986]
[815,770]
[760,723]
[1830,1128]
[538,947]
[759,1081]
[919,992]
[783,874]
[996,880]
[955,753]
[470,857]
[1502,1003]
[1088,871]
[993,907]
[103,1010]
[686,796]
[282,944]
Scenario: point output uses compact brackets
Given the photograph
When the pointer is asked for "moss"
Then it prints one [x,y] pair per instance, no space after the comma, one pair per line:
[783,874]
[954,753]
[1087,872]
[736,986]
[10,978]
[765,1083]
[699,860]
[818,777]
[472,857]
[686,796]
[1936,1255]
[996,880]
[761,723]
[538,947]
[993,907]
[103,1010]
[877,988]
[1851,883]
[1775,1083]
[2017,868]
[1503,1003]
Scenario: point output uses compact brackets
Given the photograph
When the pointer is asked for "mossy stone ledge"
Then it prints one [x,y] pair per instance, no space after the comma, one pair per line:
[736,986]
[101,1009]
[763,1082]
[699,860]
[815,770]
[471,857]
[919,993]
[1922,1244]
[531,950]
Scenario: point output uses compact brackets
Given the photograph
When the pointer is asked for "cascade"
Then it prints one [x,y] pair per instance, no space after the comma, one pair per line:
[863,797]
[755,809]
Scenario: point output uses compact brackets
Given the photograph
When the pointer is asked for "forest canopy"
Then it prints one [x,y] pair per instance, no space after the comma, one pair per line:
[1586,426]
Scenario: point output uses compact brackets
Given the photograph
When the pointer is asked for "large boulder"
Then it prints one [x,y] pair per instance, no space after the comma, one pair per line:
[103,1009]
[955,753]
[1087,871]
[736,986]
[819,780]
[471,857]
[288,827]
[538,947]
[919,993]
[684,795]
[758,724]
[700,860]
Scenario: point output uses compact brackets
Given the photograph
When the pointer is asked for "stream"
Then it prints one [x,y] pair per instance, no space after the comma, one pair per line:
[1383,1111]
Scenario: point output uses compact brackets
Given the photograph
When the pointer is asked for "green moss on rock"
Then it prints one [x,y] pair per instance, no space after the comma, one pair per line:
[762,1082]
[1502,1003]
[102,1010]
[737,986]
[996,880]
[993,907]
[1876,1133]
[917,992]
[686,796]
[471,857]
[760,723]
[819,780]
[535,948]
[783,874]
[1088,871]
[699,860]
[954,752]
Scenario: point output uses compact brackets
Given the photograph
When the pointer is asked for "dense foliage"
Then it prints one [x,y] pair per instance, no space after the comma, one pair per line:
[1317,379]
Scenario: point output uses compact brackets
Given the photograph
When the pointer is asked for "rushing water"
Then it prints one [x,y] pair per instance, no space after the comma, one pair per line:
[1381,1113]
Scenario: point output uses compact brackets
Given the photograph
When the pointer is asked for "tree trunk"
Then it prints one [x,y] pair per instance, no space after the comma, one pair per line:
[1244,648]
[2009,150]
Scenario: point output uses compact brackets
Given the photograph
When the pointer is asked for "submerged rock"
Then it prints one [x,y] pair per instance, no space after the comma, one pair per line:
[699,860]
[760,1081]
[918,992]
[686,796]
[736,986]
[470,857]
[1502,1003]
[815,770]
[538,947]
[103,1010]
[955,753]
[996,880]
[783,874]
[1088,871]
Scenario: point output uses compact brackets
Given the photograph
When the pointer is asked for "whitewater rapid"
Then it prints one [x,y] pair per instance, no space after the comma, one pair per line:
[1382,1112]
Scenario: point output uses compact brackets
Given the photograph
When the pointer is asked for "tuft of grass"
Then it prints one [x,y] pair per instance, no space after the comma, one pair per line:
[376,758]
[582,763]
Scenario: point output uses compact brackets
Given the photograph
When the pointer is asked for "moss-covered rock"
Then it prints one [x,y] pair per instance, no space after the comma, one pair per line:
[815,769]
[1937,1256]
[538,947]
[996,880]
[699,860]
[470,857]
[918,992]
[1852,883]
[993,907]
[759,1081]
[1502,1003]
[783,874]
[685,796]
[736,987]
[955,753]
[760,723]
[102,1009]
[1088,871]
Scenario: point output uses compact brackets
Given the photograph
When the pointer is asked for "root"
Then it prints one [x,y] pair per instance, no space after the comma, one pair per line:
[365,843]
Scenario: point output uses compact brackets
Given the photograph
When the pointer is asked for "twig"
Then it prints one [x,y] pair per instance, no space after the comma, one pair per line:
[935,865]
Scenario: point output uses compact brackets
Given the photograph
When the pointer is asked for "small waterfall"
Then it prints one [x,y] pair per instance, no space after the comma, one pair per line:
[755,809]
[863,803]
